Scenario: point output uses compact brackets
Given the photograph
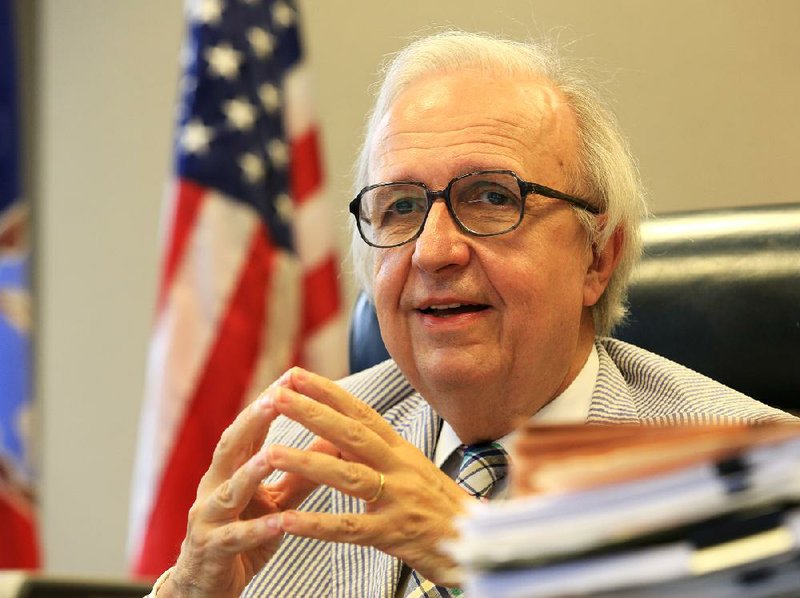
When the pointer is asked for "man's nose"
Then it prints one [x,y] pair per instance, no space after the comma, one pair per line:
[441,243]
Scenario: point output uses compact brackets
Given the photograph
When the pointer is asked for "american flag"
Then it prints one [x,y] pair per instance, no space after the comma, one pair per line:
[18,537]
[250,276]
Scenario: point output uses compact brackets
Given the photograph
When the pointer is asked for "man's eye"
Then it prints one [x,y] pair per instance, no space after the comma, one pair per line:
[496,198]
[402,206]
[493,197]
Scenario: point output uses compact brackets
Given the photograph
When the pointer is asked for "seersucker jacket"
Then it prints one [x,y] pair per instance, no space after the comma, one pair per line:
[632,386]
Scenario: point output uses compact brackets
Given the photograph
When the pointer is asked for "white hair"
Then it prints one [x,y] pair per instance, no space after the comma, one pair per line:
[606,173]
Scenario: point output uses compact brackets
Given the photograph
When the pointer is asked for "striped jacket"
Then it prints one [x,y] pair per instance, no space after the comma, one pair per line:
[632,386]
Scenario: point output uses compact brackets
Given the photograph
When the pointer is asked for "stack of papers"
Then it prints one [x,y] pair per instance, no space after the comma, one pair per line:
[629,511]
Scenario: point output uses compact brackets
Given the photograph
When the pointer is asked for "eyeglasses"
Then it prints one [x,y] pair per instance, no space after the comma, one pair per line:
[483,203]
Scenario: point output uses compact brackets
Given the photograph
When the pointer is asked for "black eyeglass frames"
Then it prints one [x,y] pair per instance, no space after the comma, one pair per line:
[483,203]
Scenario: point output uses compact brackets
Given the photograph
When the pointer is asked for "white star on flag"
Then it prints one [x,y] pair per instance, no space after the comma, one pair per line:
[195,137]
[207,11]
[240,113]
[278,153]
[261,41]
[252,166]
[223,61]
[282,14]
[270,97]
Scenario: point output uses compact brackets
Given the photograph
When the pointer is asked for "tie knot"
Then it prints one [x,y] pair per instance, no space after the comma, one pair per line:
[482,467]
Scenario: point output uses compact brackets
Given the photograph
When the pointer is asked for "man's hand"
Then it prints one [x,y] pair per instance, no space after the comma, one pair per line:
[416,502]
[233,528]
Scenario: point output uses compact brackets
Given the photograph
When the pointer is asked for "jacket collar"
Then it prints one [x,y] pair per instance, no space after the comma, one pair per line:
[612,401]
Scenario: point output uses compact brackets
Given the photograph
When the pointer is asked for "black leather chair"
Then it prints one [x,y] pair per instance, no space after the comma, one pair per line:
[717,290]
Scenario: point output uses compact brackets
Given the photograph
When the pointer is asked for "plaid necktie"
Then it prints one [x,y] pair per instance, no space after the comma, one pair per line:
[482,466]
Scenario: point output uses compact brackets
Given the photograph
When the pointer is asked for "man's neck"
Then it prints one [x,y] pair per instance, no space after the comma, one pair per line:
[571,406]
[487,412]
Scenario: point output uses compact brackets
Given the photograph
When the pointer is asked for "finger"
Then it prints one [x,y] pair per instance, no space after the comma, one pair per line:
[351,478]
[329,393]
[242,439]
[356,440]
[417,545]
[285,380]
[245,535]
[292,488]
[351,528]
[232,496]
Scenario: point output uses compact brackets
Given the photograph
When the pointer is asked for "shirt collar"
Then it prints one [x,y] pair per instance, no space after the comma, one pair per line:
[572,405]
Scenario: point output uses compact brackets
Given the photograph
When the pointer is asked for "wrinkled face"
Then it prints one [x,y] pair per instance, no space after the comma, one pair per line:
[495,326]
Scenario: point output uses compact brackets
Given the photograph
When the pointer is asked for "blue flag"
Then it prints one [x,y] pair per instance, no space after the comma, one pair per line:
[17,513]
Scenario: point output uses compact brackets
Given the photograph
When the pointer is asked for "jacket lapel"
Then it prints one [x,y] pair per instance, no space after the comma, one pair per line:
[612,401]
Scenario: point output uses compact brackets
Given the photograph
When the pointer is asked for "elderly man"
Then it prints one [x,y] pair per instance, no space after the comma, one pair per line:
[496,227]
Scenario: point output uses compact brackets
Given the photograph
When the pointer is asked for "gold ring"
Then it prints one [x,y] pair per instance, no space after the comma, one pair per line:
[381,482]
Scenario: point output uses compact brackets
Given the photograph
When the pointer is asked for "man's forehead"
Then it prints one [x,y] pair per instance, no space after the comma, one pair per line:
[520,118]
[453,92]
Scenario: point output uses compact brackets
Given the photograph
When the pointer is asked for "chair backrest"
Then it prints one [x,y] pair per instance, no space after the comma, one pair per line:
[716,290]
[366,345]
[719,291]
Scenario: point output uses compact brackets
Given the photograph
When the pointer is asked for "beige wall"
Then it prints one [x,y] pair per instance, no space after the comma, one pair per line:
[707,90]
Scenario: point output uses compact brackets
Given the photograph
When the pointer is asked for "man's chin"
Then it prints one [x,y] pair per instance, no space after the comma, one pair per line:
[455,373]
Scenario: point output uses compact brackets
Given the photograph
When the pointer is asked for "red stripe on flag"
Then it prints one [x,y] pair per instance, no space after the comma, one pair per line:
[188,202]
[306,173]
[215,403]
[19,548]
[321,300]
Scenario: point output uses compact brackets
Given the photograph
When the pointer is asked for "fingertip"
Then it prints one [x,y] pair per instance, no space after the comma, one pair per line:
[258,461]
[286,377]
[267,402]
[286,520]
[282,397]
[284,381]
[273,455]
[321,445]
[299,375]
[273,525]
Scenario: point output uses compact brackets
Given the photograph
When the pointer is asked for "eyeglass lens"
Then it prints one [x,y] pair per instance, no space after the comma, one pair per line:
[484,203]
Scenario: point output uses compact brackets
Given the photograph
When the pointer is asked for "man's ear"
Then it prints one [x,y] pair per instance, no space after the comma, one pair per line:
[604,262]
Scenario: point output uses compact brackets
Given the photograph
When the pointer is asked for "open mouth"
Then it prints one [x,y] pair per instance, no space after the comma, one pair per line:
[453,309]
